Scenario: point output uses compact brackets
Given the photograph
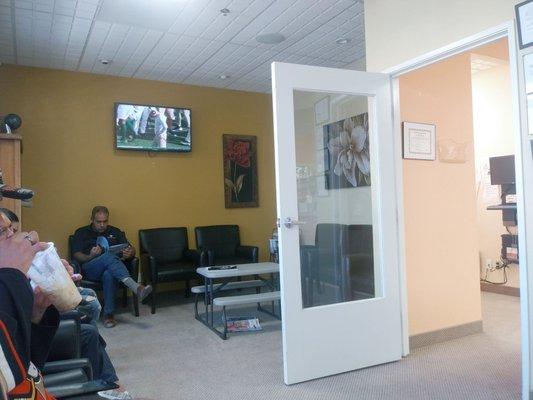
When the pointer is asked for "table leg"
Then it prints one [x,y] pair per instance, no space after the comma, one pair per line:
[206,301]
[211,296]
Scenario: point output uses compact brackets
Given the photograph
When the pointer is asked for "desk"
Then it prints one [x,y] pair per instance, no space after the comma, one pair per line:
[210,290]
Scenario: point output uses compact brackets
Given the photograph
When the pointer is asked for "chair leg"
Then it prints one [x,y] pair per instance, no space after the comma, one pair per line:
[136,305]
[153,297]
[124,297]
[187,288]
[225,322]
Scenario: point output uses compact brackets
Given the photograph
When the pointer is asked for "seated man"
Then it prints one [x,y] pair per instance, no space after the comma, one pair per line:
[91,249]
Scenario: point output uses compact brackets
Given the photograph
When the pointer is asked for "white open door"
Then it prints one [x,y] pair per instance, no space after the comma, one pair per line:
[336,202]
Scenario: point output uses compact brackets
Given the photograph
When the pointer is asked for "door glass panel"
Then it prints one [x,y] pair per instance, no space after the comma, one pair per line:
[333,159]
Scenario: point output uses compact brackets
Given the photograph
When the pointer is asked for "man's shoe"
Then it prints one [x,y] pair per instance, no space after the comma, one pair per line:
[143,292]
[109,321]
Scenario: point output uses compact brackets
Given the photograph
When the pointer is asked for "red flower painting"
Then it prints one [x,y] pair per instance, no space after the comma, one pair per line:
[240,170]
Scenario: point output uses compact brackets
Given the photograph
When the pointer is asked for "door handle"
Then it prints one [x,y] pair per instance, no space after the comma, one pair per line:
[289,222]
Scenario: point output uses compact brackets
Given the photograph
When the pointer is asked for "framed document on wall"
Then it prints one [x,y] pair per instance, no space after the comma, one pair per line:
[418,141]
[524,19]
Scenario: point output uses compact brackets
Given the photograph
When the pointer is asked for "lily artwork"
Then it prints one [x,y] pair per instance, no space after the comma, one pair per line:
[347,153]
[240,171]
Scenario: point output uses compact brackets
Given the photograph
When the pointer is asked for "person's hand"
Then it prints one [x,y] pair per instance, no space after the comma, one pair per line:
[128,252]
[18,250]
[41,301]
[95,251]
[70,270]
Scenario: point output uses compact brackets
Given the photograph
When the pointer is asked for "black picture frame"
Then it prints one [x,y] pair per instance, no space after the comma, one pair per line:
[517,8]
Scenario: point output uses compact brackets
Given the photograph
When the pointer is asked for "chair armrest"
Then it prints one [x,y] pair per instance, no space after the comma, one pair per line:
[193,255]
[308,255]
[209,258]
[149,263]
[54,367]
[133,268]
[250,252]
[76,266]
[72,314]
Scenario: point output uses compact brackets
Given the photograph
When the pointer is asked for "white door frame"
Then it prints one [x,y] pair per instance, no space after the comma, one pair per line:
[506,29]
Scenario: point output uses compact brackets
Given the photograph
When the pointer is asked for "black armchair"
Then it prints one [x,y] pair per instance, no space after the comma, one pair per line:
[341,260]
[165,253]
[221,245]
[64,365]
[357,276]
[132,266]
[65,373]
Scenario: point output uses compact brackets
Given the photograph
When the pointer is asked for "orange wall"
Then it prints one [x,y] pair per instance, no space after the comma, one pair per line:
[440,202]
[70,161]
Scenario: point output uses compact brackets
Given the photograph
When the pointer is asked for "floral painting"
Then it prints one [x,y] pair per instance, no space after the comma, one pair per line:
[347,153]
[240,171]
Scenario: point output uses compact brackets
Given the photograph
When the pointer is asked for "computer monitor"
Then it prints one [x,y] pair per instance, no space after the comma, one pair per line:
[502,170]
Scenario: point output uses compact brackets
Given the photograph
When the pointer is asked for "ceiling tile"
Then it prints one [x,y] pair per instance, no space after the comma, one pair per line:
[189,41]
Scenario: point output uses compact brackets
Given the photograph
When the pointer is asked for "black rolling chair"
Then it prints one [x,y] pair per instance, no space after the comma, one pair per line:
[132,266]
[165,253]
[221,245]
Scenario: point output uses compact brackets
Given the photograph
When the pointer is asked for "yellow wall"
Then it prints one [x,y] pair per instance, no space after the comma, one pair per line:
[440,203]
[70,161]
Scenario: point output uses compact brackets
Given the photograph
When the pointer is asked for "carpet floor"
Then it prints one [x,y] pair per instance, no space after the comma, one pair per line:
[170,355]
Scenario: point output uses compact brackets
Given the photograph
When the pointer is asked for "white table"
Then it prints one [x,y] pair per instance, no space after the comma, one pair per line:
[228,275]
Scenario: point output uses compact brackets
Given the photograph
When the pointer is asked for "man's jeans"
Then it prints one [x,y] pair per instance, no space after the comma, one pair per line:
[109,269]
[93,348]
[92,307]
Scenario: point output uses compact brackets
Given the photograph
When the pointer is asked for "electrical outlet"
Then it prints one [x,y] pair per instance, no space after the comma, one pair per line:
[488,264]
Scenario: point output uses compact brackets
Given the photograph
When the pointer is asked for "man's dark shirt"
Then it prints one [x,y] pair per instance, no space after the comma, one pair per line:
[85,238]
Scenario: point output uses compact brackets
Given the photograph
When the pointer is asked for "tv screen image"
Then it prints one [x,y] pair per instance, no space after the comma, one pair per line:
[152,128]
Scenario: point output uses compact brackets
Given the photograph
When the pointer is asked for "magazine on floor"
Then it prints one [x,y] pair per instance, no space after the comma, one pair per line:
[243,324]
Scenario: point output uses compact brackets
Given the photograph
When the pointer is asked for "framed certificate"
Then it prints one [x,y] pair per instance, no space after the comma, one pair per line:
[418,141]
[524,19]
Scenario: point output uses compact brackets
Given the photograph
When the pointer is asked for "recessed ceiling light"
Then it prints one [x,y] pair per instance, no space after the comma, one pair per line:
[223,76]
[105,61]
[270,38]
[225,11]
[343,40]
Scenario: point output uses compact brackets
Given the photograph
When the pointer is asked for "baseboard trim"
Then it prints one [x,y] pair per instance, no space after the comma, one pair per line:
[443,335]
[500,289]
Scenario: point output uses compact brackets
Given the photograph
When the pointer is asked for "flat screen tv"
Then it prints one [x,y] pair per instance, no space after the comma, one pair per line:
[152,128]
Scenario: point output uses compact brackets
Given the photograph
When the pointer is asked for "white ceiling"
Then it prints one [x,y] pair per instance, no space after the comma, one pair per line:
[184,41]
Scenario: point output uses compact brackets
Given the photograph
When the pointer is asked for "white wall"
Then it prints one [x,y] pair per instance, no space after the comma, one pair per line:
[398,30]
[493,136]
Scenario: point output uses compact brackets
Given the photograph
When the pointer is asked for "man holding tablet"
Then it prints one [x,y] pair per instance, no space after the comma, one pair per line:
[102,250]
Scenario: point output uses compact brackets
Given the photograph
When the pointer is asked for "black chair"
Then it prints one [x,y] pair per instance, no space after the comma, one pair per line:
[357,274]
[65,373]
[132,266]
[166,255]
[341,260]
[64,365]
[221,245]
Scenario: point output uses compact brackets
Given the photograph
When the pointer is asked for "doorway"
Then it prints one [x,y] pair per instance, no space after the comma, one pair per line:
[457,227]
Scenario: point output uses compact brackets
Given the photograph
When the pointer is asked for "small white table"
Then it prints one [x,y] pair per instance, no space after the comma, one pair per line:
[227,275]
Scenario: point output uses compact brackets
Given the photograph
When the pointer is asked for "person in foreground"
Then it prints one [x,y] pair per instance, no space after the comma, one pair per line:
[91,247]
[28,322]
